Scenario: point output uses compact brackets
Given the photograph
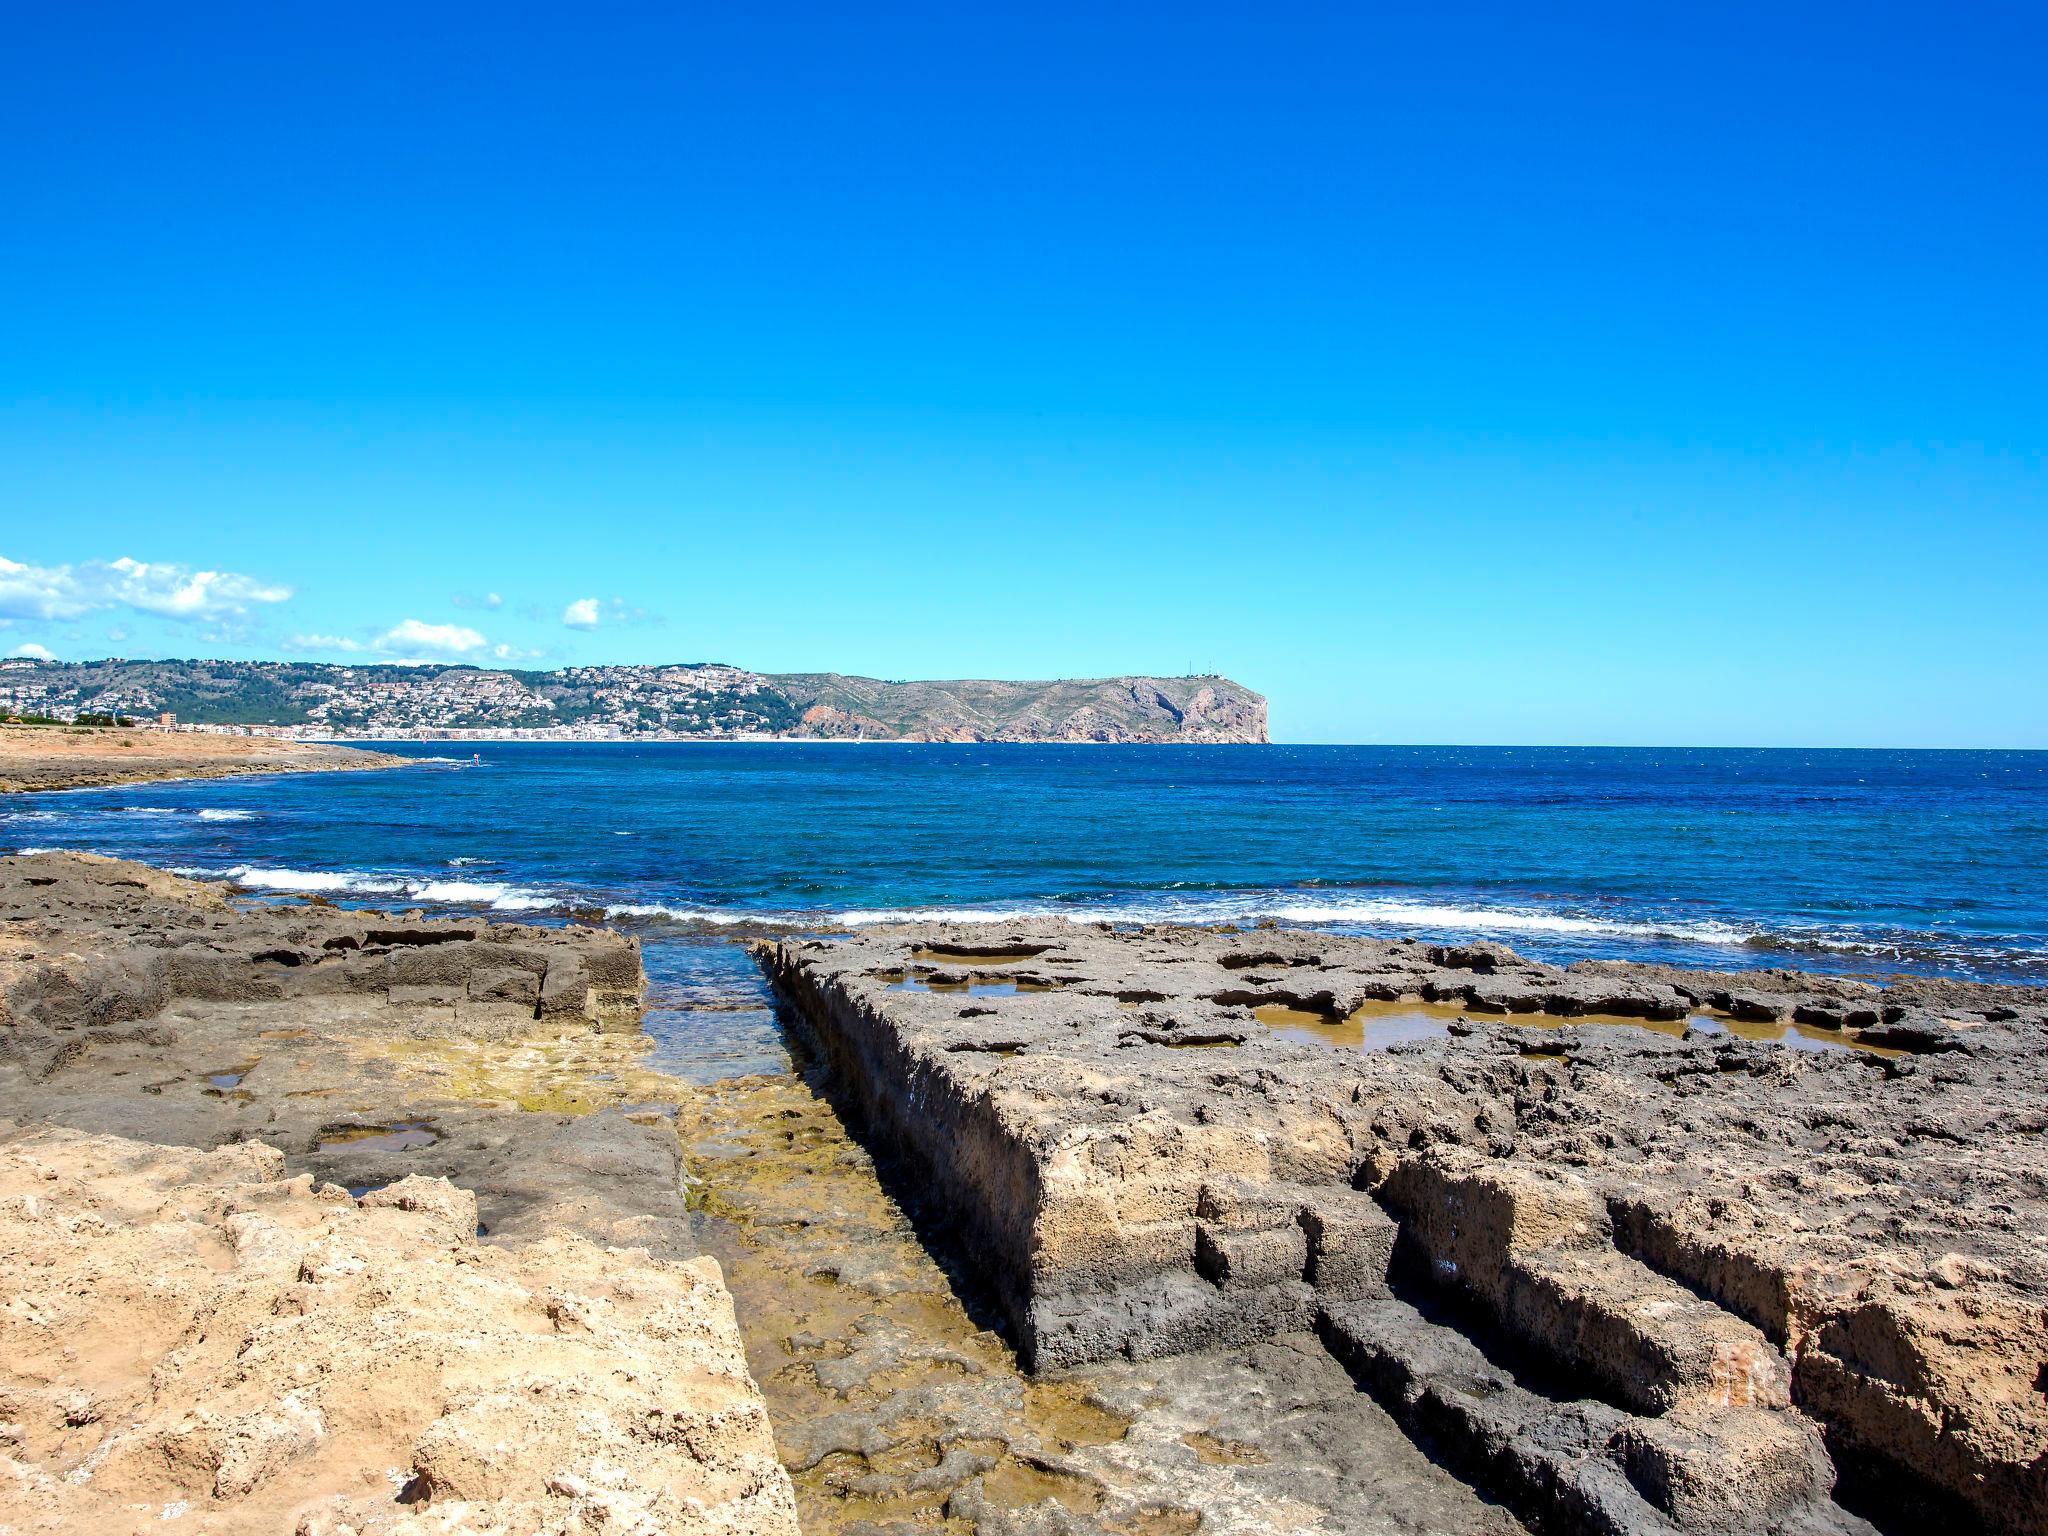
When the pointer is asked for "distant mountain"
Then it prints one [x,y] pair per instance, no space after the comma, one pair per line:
[696,700]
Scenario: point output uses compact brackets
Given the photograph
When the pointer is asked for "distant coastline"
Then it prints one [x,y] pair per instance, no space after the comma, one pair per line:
[694,701]
[42,758]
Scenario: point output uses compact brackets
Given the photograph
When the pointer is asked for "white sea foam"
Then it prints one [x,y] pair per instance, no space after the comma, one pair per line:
[1331,910]
[861,917]
[1405,914]
[457,890]
[715,915]
[218,815]
[310,881]
[354,882]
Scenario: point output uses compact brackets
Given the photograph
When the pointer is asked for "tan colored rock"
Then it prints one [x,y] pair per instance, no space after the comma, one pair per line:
[189,1336]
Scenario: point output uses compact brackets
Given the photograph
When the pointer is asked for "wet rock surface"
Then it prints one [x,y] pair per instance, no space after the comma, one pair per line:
[898,1407]
[1603,1240]
[365,1046]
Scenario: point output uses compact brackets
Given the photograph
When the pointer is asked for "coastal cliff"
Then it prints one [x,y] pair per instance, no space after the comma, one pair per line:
[686,701]
[1116,709]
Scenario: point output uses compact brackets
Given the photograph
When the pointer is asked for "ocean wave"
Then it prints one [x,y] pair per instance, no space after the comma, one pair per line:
[1553,932]
[1405,914]
[1963,953]
[219,815]
[350,882]
[717,917]
[863,917]
[311,882]
[1329,910]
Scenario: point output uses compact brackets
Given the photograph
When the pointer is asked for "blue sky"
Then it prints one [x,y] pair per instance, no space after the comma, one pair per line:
[1513,374]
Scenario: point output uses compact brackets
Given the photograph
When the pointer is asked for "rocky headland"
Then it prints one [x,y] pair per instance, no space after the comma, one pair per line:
[36,757]
[686,701]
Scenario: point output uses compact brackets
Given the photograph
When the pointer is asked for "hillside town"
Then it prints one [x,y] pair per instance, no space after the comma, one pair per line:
[691,701]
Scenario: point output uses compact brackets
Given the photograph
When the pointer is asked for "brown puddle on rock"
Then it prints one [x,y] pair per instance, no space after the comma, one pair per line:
[971,987]
[1374,1026]
[1020,1484]
[378,1138]
[971,957]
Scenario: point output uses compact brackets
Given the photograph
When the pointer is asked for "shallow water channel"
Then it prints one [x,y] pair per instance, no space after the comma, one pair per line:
[897,1406]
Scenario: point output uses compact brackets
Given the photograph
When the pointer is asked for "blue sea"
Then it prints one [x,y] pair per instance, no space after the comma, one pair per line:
[1846,861]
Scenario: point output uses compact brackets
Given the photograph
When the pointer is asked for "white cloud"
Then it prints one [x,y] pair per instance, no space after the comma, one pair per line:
[410,639]
[171,591]
[514,653]
[410,635]
[33,651]
[581,614]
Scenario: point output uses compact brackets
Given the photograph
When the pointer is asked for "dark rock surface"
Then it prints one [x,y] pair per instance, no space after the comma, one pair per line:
[1629,1275]
[366,1046]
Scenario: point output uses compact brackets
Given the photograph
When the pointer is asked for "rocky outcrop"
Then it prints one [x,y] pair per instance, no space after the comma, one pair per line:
[366,1046]
[437,1274]
[701,700]
[195,1337]
[107,943]
[1603,1234]
[55,757]
[1110,710]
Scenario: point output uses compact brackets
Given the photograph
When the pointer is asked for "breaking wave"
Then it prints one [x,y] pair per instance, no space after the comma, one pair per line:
[1324,910]
[495,895]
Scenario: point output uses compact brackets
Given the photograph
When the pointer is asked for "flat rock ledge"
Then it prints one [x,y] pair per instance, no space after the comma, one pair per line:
[1634,1271]
[192,1341]
[48,757]
[100,943]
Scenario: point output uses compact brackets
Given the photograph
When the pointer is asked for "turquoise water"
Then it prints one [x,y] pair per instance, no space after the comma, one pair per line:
[1847,861]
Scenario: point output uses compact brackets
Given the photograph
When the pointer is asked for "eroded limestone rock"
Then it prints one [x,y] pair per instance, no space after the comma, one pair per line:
[1714,1251]
[191,1336]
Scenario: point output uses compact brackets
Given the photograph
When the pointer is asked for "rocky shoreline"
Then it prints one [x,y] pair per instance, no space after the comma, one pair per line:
[437,1158]
[333,1221]
[1610,1255]
[47,757]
